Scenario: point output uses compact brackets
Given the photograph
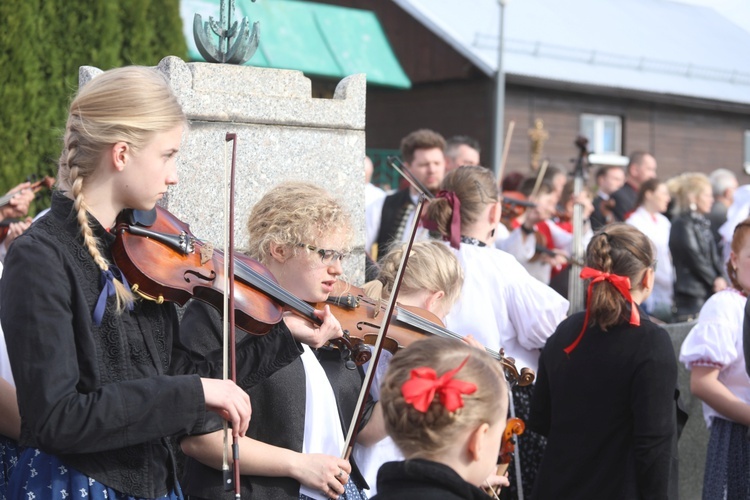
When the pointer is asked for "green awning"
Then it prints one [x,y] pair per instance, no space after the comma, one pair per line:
[317,39]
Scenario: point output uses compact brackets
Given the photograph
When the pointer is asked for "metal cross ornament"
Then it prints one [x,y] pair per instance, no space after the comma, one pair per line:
[237,42]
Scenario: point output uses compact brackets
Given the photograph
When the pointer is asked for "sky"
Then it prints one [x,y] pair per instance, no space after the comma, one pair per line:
[735,10]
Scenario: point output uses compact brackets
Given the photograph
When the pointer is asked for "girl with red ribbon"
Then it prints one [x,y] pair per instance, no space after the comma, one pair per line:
[605,389]
[444,404]
[432,281]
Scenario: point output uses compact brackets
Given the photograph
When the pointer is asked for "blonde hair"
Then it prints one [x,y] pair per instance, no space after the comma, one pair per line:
[129,104]
[294,213]
[430,434]
[686,187]
[474,186]
[431,267]
[623,250]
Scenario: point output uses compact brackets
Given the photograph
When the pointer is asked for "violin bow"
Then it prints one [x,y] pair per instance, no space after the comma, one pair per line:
[506,149]
[539,178]
[231,481]
[378,346]
[395,162]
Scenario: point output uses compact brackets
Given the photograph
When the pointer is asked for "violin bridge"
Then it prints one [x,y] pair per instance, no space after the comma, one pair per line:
[207,252]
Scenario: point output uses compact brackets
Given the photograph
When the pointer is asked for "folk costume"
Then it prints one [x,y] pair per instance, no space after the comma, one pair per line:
[300,405]
[716,342]
[503,306]
[100,392]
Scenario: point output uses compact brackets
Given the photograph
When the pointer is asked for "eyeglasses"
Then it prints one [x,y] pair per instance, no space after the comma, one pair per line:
[327,256]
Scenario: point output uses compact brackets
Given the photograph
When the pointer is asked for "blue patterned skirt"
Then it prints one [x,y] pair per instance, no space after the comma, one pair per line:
[727,474]
[8,460]
[41,476]
[350,493]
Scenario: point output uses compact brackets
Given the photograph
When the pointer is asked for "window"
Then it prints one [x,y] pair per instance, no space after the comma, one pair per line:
[746,164]
[604,133]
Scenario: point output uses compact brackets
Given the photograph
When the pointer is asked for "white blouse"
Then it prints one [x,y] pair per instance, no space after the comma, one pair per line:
[502,305]
[716,341]
[657,229]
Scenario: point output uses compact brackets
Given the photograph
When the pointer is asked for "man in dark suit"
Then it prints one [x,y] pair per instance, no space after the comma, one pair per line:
[609,179]
[642,167]
[422,152]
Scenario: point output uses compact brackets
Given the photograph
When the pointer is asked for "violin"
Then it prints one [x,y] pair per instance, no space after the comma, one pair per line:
[361,316]
[514,204]
[164,261]
[46,183]
[513,428]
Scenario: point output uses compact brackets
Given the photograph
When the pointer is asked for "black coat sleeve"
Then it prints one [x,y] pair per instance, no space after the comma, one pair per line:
[653,408]
[200,342]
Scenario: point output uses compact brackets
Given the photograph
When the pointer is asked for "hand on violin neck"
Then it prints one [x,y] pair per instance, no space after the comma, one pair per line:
[18,206]
[315,336]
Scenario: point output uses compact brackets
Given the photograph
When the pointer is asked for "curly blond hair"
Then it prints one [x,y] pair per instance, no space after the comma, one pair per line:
[130,104]
[428,435]
[295,213]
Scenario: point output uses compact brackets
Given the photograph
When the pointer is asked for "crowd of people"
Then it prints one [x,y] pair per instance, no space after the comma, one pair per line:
[108,395]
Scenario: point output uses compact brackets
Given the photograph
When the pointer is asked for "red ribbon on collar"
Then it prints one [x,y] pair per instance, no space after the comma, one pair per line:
[621,283]
[419,391]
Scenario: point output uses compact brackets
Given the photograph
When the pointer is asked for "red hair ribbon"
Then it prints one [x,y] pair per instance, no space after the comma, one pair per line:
[419,391]
[622,283]
[455,230]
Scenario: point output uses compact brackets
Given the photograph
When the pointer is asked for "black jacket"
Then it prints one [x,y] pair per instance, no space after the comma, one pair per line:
[608,411]
[423,480]
[694,255]
[278,417]
[103,398]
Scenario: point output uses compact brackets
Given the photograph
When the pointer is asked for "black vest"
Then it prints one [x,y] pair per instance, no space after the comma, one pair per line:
[393,211]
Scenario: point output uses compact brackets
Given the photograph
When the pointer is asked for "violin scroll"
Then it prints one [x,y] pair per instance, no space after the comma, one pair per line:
[513,428]
[512,375]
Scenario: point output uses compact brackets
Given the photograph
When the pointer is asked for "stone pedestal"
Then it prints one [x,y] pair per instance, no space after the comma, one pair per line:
[283,134]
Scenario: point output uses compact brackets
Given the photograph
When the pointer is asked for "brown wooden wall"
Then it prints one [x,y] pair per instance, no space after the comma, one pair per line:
[452,96]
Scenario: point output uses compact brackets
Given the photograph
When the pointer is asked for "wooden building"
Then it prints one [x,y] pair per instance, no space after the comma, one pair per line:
[683,94]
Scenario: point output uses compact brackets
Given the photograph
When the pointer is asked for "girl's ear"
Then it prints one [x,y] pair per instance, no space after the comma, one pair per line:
[477,442]
[496,212]
[279,253]
[119,154]
[433,299]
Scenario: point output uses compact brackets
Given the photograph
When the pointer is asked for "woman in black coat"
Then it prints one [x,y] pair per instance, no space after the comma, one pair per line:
[697,263]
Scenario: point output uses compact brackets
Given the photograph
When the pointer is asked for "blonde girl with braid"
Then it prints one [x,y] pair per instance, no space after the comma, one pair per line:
[102,380]
[606,386]
[431,281]
[445,406]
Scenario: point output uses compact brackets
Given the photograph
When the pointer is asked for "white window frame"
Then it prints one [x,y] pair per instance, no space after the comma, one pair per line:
[596,143]
[746,162]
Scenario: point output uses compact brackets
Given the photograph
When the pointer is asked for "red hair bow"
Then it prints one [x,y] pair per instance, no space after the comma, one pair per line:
[622,283]
[419,391]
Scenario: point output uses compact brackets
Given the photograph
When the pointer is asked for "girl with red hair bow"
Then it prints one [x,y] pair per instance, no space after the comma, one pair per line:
[444,405]
[605,389]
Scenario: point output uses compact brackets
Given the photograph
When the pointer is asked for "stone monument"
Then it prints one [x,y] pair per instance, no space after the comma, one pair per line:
[283,134]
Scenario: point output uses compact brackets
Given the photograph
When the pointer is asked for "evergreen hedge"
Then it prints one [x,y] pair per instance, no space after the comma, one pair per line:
[42,45]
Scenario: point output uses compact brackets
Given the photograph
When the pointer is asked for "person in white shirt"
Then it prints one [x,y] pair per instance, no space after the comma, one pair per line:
[372,192]
[653,200]
[501,304]
[713,352]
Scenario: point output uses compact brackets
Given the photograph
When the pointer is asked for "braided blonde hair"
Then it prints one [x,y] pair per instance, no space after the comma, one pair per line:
[428,435]
[431,267]
[129,104]
[294,213]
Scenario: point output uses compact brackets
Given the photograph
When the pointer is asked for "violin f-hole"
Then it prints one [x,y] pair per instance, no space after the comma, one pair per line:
[210,277]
